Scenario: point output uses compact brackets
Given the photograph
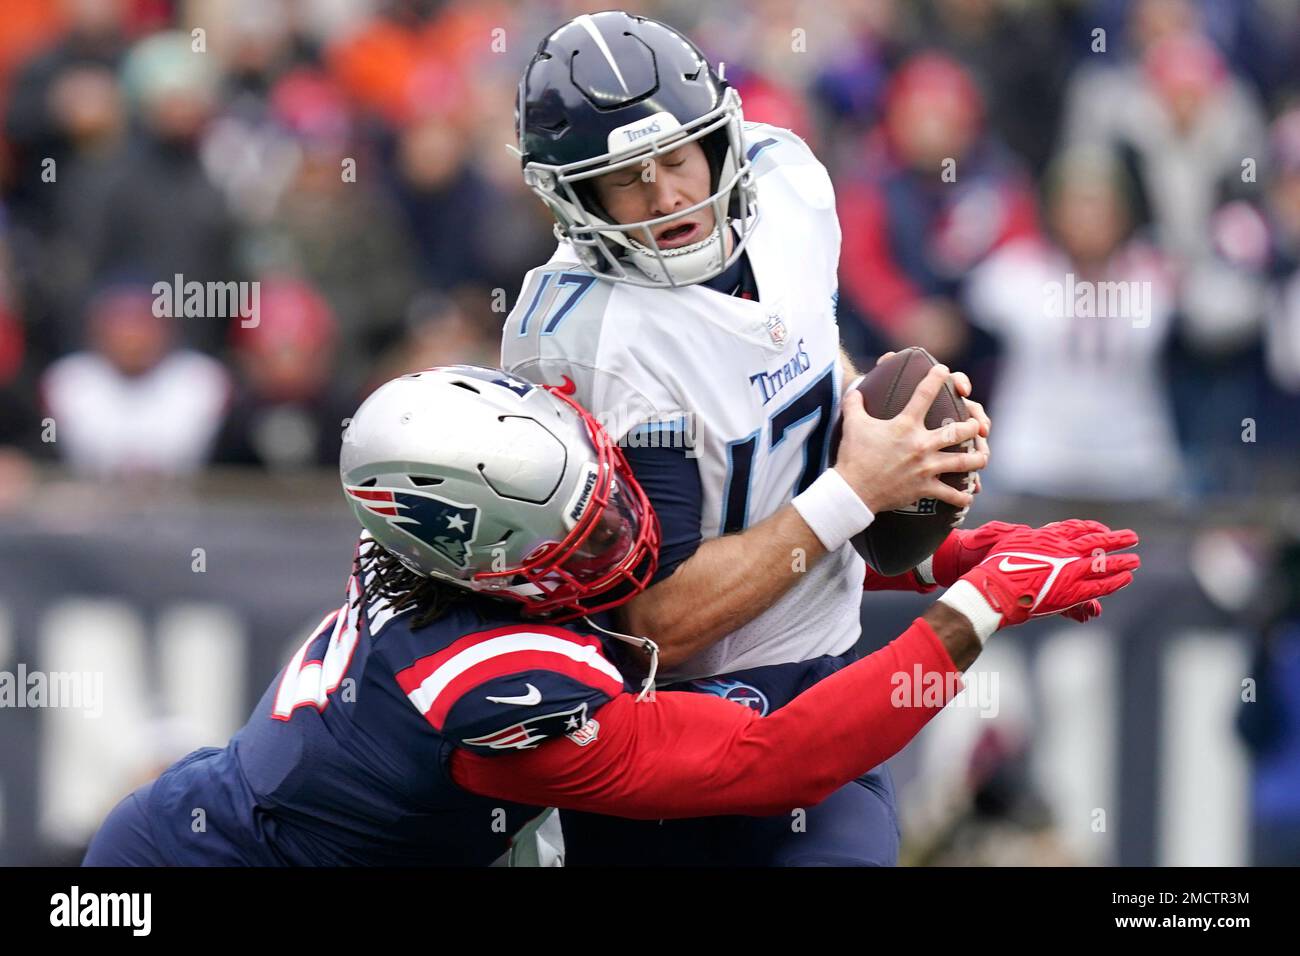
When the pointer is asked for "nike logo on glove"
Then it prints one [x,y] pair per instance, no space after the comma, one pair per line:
[534,696]
[1041,562]
[1008,565]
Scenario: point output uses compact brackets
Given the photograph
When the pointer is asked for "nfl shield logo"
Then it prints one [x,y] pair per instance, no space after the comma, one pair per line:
[776,329]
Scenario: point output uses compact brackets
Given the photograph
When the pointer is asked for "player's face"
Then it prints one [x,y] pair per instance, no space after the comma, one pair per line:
[674,181]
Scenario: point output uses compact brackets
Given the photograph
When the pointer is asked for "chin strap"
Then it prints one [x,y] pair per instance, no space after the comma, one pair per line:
[646,645]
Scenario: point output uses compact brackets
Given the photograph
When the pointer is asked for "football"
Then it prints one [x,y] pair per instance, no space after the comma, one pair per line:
[898,541]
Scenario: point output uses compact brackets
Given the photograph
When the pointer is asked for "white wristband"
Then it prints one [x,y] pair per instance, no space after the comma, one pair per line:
[964,598]
[833,510]
[925,571]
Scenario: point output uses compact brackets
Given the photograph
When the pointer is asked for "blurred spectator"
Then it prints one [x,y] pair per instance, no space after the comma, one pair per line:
[1279,379]
[1192,132]
[333,226]
[1253,34]
[1023,92]
[31,26]
[853,74]
[446,202]
[18,418]
[20,426]
[1283,221]
[133,404]
[1186,125]
[288,407]
[265,38]
[437,332]
[457,215]
[47,104]
[17,421]
[78,210]
[947,196]
[418,58]
[1082,317]
[173,91]
[429,71]
[63,117]
[285,33]
[1270,722]
[250,155]
[768,101]
[274,96]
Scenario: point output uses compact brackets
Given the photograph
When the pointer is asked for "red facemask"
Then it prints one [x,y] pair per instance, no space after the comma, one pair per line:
[610,555]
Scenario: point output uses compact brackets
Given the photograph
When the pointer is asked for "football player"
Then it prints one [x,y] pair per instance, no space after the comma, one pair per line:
[445,703]
[690,304]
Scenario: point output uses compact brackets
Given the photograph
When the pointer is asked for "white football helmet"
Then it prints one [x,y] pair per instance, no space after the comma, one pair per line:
[491,483]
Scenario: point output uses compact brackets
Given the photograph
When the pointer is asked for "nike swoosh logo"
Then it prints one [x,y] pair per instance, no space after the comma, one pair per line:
[1009,565]
[1040,562]
[534,696]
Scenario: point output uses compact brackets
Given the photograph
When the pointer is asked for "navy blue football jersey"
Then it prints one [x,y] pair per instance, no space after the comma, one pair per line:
[345,760]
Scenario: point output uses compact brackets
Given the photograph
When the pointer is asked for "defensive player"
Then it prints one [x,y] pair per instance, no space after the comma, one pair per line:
[443,705]
[690,304]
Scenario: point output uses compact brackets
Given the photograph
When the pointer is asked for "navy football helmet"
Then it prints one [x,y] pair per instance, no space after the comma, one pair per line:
[609,91]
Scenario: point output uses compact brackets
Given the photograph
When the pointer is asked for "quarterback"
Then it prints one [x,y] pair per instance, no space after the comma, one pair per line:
[447,701]
[690,305]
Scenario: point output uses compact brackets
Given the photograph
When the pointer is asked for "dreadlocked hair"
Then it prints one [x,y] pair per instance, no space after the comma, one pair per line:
[382,575]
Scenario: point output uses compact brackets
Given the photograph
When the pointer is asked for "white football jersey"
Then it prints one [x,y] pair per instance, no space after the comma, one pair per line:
[752,388]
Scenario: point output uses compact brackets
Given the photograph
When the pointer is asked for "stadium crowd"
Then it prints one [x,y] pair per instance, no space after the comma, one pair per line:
[348,156]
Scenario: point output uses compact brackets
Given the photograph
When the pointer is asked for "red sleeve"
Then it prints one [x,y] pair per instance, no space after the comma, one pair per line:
[689,755]
[868,274]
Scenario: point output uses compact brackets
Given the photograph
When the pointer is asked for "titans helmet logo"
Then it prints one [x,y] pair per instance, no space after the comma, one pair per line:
[738,692]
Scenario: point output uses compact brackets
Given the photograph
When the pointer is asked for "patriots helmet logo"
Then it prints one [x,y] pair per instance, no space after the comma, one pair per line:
[446,526]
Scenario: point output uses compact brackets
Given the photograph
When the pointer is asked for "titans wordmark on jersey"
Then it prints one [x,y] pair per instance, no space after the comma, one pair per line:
[752,385]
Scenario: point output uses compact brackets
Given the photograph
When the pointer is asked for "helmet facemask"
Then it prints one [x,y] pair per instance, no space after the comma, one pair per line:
[609,555]
[607,248]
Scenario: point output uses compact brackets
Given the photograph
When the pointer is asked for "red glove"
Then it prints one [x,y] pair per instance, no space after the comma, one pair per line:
[1083,613]
[962,550]
[1063,566]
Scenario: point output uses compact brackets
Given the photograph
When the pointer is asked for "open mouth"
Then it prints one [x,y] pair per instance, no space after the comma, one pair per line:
[678,234]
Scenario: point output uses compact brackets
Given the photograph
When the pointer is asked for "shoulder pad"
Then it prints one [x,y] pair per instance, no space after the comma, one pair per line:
[512,687]
[767,146]
[554,337]
[558,302]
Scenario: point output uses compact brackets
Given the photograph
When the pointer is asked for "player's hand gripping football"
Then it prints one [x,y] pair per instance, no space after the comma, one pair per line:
[895,461]
[1061,567]
[961,382]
